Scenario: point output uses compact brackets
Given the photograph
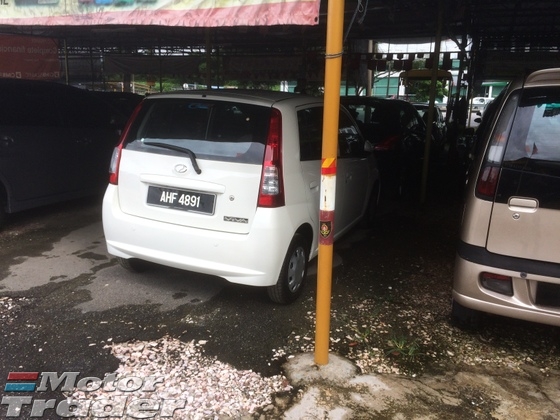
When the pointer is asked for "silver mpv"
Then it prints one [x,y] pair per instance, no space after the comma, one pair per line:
[508,258]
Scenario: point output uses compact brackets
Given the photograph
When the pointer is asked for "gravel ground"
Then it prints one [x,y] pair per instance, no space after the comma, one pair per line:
[390,315]
[203,386]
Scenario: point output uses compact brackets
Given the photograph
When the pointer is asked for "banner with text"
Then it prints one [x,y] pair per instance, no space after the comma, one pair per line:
[27,57]
[190,13]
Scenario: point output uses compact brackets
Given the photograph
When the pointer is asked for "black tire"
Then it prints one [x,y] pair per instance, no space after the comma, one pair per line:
[3,207]
[3,215]
[133,265]
[371,211]
[465,318]
[293,273]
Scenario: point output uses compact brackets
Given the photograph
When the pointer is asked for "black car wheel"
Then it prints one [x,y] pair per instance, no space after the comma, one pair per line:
[3,213]
[292,275]
[133,265]
[465,318]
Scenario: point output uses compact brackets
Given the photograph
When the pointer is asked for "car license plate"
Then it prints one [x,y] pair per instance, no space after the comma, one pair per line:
[182,199]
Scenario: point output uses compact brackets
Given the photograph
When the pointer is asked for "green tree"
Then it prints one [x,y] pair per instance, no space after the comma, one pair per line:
[421,90]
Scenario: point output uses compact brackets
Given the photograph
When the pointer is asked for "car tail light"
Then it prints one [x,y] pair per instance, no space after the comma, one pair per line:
[497,283]
[271,192]
[117,152]
[487,181]
[389,143]
[489,172]
[114,165]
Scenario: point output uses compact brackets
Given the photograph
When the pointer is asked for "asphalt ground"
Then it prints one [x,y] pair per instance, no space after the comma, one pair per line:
[70,300]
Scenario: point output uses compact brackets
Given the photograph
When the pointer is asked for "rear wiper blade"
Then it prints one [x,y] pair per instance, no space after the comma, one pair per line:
[179,149]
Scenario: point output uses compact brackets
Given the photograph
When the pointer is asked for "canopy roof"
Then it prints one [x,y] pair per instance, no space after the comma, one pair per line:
[500,30]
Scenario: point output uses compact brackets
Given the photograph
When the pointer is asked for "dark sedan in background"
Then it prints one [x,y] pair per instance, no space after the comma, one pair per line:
[398,134]
[55,144]
[439,128]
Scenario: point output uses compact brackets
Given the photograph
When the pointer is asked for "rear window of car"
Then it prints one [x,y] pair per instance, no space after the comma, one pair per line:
[215,130]
[310,126]
[534,139]
[530,121]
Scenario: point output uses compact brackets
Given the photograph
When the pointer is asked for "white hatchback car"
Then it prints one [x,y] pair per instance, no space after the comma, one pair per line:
[227,183]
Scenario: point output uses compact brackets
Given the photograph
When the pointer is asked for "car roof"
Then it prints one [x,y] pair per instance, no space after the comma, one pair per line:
[264,97]
[373,100]
[545,77]
[35,84]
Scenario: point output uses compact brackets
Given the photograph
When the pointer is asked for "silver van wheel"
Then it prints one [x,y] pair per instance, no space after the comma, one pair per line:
[292,275]
[465,318]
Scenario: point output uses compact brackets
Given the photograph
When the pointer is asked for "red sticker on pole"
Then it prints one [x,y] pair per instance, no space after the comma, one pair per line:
[326,222]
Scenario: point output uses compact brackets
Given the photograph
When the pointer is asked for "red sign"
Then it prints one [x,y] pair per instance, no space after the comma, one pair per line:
[27,57]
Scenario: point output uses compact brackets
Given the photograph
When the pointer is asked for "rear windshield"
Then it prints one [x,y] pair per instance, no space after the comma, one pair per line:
[379,120]
[214,130]
[534,139]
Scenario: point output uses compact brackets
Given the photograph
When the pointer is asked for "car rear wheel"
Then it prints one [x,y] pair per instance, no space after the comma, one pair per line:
[3,206]
[2,215]
[465,318]
[133,265]
[292,275]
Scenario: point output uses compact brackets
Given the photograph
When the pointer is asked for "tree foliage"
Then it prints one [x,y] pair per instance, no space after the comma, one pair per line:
[421,90]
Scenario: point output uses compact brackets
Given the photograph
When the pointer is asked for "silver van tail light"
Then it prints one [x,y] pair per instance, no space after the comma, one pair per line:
[489,174]
[487,182]
[271,192]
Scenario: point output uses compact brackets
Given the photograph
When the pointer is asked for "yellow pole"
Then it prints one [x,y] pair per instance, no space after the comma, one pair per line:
[333,66]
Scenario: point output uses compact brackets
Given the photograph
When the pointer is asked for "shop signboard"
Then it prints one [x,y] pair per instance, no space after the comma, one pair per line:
[28,57]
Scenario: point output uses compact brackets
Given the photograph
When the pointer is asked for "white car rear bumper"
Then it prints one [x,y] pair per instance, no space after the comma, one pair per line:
[238,258]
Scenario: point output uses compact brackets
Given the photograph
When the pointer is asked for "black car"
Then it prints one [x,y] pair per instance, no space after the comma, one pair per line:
[123,103]
[55,144]
[398,134]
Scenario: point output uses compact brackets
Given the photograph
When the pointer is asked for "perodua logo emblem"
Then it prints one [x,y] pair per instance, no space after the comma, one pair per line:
[180,168]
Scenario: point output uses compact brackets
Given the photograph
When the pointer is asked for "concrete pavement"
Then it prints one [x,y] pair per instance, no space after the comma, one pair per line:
[338,391]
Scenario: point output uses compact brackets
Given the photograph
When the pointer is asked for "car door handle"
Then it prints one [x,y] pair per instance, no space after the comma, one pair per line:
[526,205]
[313,185]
